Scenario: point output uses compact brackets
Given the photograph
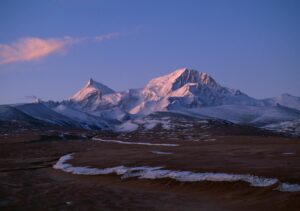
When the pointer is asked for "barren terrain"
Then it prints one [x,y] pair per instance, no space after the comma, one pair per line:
[29,181]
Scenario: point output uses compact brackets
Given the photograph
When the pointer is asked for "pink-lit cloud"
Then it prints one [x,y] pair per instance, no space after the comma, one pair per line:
[33,48]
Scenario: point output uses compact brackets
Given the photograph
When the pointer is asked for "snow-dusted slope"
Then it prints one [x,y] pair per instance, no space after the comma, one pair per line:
[187,88]
[285,100]
[57,114]
[8,113]
[254,115]
[276,114]
[287,127]
[41,112]
[86,121]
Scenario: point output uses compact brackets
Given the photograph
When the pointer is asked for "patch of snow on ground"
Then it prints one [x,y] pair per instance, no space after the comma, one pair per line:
[288,153]
[149,123]
[62,136]
[287,187]
[188,176]
[211,139]
[62,165]
[136,143]
[203,121]
[145,172]
[288,127]
[162,153]
[166,125]
[127,127]
[204,127]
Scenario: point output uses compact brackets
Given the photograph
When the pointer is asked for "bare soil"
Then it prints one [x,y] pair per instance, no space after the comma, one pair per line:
[28,181]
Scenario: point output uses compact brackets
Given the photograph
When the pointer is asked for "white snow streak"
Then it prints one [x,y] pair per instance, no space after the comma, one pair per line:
[288,153]
[287,187]
[162,153]
[127,127]
[145,172]
[135,143]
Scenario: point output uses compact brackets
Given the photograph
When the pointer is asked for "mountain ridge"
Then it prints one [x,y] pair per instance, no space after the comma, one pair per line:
[186,91]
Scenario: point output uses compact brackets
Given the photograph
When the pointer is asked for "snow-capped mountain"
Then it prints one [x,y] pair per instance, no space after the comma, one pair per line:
[184,91]
[97,100]
[90,90]
[187,88]
[184,88]
[91,94]
[284,100]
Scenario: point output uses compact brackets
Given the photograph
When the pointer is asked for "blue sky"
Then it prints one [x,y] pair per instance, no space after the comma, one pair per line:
[51,48]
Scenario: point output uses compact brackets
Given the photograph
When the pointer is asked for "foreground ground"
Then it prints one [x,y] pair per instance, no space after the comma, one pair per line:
[29,182]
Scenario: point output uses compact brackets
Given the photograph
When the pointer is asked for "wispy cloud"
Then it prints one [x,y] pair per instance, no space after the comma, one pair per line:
[107,36]
[33,48]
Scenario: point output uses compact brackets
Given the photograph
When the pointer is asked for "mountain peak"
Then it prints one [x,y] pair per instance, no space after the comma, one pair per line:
[90,82]
[165,84]
[193,76]
[183,70]
[99,86]
[92,88]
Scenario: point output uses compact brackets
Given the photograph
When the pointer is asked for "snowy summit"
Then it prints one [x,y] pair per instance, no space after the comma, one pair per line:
[92,88]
